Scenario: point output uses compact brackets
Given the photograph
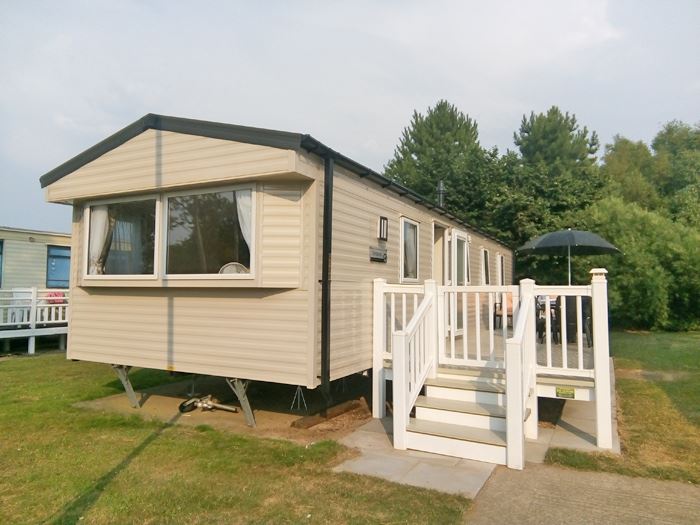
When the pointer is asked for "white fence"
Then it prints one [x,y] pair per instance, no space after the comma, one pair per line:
[32,312]
[541,330]
[414,360]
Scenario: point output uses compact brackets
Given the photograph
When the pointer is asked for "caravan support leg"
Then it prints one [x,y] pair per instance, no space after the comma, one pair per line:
[123,373]
[239,388]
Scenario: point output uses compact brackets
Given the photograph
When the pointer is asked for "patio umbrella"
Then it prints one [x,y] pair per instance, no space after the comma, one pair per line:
[566,242]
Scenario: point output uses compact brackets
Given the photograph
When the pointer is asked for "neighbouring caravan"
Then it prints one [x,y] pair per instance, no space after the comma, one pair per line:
[31,258]
[245,253]
[34,272]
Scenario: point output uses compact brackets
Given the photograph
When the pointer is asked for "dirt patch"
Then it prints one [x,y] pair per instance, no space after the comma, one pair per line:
[652,375]
[272,406]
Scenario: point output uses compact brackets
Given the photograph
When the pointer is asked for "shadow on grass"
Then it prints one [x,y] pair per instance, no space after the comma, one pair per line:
[75,509]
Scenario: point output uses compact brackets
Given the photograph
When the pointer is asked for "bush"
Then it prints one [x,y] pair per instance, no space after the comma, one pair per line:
[655,283]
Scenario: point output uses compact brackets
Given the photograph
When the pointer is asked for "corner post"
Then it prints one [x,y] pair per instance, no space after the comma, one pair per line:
[430,290]
[529,350]
[378,344]
[601,357]
[400,387]
[32,322]
[515,437]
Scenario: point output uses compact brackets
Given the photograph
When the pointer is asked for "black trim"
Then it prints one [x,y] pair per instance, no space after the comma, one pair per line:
[250,135]
[326,276]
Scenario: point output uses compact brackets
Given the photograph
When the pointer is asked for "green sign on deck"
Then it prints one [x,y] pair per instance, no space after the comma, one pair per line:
[566,392]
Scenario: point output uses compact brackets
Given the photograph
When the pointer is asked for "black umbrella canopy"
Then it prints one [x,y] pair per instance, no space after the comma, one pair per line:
[565,242]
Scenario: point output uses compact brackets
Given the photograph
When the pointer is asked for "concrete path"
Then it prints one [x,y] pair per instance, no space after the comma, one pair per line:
[378,458]
[551,495]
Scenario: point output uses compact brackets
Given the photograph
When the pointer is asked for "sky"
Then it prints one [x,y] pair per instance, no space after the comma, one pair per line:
[349,73]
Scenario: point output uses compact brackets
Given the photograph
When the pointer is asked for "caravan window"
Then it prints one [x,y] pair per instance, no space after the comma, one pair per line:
[210,233]
[485,273]
[409,250]
[121,238]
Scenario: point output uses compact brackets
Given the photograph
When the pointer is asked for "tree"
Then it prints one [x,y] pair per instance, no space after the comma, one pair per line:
[443,145]
[677,159]
[554,142]
[628,167]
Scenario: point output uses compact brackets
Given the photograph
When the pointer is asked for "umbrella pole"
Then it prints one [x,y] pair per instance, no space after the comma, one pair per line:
[569,250]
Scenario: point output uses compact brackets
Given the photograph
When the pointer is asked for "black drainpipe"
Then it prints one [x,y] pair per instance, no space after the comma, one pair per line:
[326,281]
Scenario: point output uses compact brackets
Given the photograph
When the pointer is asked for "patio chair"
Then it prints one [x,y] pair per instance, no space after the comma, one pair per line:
[498,310]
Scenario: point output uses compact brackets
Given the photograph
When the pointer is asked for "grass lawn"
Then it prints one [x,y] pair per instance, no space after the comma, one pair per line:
[62,464]
[658,387]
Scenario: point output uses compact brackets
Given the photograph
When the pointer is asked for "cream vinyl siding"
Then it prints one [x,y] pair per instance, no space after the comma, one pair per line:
[163,159]
[261,334]
[357,206]
[24,260]
[282,233]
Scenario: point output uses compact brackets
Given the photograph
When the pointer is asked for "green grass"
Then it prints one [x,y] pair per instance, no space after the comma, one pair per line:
[62,464]
[659,414]
[656,350]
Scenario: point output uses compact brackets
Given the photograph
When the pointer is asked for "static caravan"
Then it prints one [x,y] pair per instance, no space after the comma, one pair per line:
[245,253]
[31,258]
[34,270]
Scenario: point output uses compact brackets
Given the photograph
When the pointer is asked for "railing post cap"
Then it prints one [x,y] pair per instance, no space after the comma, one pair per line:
[527,281]
[598,274]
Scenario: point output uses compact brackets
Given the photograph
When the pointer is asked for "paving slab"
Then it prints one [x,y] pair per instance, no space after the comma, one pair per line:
[378,458]
[542,494]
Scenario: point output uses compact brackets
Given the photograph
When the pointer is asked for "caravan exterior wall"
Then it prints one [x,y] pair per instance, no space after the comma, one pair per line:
[259,328]
[24,257]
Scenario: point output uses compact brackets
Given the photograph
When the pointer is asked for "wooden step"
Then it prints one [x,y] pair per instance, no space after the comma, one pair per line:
[459,432]
[473,371]
[467,384]
[464,407]
[563,380]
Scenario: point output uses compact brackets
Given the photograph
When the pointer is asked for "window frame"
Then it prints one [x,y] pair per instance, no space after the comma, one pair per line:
[457,235]
[403,279]
[48,249]
[485,268]
[501,268]
[86,240]
[163,266]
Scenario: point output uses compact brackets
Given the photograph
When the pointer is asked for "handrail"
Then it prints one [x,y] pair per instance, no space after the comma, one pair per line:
[413,361]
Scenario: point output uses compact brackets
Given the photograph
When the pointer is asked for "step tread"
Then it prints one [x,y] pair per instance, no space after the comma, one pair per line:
[465,407]
[465,384]
[473,371]
[461,432]
[553,379]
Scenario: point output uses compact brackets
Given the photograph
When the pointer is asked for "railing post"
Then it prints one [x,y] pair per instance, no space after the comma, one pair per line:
[32,322]
[527,293]
[378,345]
[400,388]
[430,290]
[601,357]
[441,325]
[515,436]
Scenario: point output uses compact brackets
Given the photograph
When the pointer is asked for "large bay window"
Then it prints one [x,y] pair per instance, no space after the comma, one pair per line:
[121,238]
[204,234]
[409,250]
[209,233]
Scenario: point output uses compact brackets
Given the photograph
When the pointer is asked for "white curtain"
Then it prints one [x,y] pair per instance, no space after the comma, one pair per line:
[99,228]
[244,206]
[410,251]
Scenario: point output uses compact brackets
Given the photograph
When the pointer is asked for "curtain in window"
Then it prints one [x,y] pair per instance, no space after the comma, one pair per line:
[99,239]
[410,251]
[127,247]
[244,208]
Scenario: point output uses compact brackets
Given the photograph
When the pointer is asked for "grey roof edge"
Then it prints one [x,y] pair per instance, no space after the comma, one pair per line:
[250,135]
[30,231]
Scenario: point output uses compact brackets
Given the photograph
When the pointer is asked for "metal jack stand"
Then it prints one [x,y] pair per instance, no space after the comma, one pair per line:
[299,399]
[123,373]
[239,388]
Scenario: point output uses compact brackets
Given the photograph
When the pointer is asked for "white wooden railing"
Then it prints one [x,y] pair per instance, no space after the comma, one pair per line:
[31,312]
[521,379]
[413,361]
[469,335]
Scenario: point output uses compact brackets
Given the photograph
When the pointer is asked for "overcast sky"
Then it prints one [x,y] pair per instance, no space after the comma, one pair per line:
[349,73]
